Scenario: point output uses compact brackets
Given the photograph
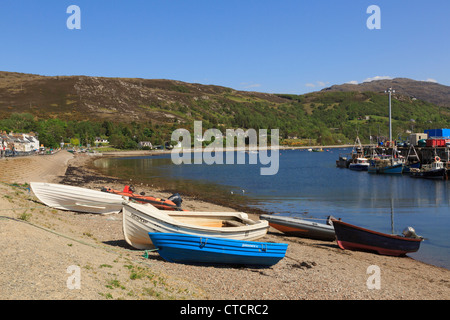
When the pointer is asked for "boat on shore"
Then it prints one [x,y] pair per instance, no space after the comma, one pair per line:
[301,228]
[71,198]
[351,237]
[194,249]
[140,219]
[171,203]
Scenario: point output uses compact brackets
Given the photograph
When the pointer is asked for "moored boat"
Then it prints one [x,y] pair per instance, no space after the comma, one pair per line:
[71,198]
[300,227]
[385,165]
[435,170]
[352,237]
[140,219]
[360,164]
[194,249]
[342,162]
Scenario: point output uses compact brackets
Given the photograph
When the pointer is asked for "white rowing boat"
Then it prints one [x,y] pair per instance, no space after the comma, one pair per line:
[71,198]
[140,219]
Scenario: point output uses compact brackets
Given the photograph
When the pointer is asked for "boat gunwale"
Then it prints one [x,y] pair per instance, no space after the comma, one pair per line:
[392,236]
[166,219]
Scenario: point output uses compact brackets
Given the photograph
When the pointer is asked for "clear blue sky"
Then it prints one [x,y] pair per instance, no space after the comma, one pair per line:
[284,46]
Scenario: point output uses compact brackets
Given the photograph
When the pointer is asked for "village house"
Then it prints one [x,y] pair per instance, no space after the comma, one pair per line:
[143,144]
[99,140]
[18,143]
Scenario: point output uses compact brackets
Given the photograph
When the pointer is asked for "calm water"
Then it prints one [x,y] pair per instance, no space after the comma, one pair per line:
[308,184]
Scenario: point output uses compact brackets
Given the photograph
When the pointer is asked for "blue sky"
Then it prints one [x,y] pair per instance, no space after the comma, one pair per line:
[284,46]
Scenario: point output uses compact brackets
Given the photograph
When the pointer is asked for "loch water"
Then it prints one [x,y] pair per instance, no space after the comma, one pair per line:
[309,185]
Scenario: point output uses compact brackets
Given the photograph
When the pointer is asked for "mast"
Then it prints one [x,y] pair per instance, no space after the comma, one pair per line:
[390,91]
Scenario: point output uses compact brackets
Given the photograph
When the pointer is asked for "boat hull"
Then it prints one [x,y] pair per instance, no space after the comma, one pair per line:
[140,219]
[70,198]
[358,167]
[430,174]
[351,237]
[395,169]
[407,168]
[300,227]
[191,249]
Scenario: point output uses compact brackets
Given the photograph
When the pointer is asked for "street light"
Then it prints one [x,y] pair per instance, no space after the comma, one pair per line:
[390,91]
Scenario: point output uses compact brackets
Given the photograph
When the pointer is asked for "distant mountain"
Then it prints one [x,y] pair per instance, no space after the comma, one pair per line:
[424,90]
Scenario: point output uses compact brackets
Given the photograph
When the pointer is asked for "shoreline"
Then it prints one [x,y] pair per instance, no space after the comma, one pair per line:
[40,243]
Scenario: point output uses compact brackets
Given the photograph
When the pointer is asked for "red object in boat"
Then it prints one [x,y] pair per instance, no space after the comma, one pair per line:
[163,204]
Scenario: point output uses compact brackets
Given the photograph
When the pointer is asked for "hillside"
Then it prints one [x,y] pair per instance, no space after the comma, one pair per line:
[424,90]
[116,99]
[132,110]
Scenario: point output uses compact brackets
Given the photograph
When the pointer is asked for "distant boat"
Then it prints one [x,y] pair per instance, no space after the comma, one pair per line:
[71,198]
[317,150]
[301,227]
[351,237]
[360,164]
[194,249]
[435,170]
[411,166]
[140,219]
[412,160]
[385,164]
[342,162]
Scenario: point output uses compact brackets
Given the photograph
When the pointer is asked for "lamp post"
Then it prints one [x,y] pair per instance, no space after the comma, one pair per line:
[390,91]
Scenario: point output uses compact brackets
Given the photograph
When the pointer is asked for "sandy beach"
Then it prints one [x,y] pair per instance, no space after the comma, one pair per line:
[41,248]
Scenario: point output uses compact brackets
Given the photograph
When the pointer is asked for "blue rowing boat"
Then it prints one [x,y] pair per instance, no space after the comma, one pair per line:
[192,249]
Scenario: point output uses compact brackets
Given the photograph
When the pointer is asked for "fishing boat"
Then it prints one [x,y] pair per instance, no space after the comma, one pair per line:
[435,170]
[171,203]
[385,164]
[412,160]
[360,164]
[300,227]
[140,219]
[342,162]
[194,249]
[411,166]
[71,198]
[352,237]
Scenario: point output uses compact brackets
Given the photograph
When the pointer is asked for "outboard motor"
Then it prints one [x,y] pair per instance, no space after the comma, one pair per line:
[409,232]
[176,198]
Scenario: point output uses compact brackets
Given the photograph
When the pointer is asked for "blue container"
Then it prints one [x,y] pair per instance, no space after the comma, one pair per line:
[192,249]
[439,133]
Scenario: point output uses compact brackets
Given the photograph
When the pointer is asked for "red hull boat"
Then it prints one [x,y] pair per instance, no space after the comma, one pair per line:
[351,237]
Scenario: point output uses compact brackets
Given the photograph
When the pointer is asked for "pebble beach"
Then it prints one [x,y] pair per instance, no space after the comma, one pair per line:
[42,246]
